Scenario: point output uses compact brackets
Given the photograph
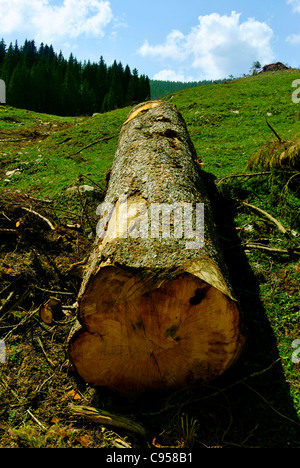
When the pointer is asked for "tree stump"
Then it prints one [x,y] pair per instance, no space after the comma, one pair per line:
[156,309]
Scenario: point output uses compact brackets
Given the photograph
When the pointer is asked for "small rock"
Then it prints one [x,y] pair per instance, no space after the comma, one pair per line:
[86,188]
[13,172]
[81,188]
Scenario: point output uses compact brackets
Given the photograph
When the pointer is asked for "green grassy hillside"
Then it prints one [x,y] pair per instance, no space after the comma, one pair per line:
[49,165]
[227,123]
[258,403]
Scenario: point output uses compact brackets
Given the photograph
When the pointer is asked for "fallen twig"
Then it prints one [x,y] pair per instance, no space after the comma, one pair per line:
[297,174]
[272,249]
[92,144]
[82,263]
[255,174]
[275,133]
[36,420]
[39,388]
[85,212]
[15,141]
[10,231]
[28,317]
[88,178]
[66,293]
[252,174]
[40,200]
[6,301]
[44,352]
[69,307]
[271,406]
[40,216]
[268,216]
[218,392]
[104,417]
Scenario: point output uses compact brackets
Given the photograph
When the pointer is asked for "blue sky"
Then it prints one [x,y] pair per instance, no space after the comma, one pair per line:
[165,39]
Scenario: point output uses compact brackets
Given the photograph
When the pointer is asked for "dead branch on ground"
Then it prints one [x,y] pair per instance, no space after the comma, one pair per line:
[268,216]
[106,418]
[40,216]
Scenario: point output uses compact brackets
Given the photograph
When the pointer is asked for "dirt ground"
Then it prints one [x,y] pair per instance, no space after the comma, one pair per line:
[37,262]
[42,258]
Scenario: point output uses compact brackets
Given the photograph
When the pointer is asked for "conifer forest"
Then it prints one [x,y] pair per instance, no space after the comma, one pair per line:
[41,80]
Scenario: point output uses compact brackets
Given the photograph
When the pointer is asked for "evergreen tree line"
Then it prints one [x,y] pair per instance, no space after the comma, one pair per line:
[160,88]
[41,80]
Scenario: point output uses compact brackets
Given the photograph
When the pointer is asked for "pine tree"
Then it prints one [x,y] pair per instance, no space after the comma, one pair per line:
[72,87]
[144,88]
[29,53]
[88,99]
[56,88]
[101,84]
[18,93]
[38,80]
[2,54]
[12,58]
[133,94]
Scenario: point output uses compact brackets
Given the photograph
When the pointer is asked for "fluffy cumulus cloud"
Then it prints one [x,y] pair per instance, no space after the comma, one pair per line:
[47,20]
[174,47]
[216,48]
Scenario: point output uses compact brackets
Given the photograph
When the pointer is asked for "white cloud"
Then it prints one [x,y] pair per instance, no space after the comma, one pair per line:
[217,47]
[293,39]
[46,21]
[295,5]
[173,47]
[170,75]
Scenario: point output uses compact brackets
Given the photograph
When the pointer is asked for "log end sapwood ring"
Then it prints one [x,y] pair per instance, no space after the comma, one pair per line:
[153,314]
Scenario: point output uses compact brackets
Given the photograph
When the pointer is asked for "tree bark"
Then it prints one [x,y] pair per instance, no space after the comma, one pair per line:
[156,308]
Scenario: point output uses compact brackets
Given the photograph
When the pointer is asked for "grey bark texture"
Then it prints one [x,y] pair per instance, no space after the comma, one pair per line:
[156,162]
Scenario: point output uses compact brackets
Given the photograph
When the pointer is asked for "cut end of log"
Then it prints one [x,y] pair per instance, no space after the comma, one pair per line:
[150,334]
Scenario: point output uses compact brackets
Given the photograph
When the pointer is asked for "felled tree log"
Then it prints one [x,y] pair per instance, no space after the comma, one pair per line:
[156,308]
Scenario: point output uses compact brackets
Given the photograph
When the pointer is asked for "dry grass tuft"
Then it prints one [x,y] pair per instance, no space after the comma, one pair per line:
[283,155]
